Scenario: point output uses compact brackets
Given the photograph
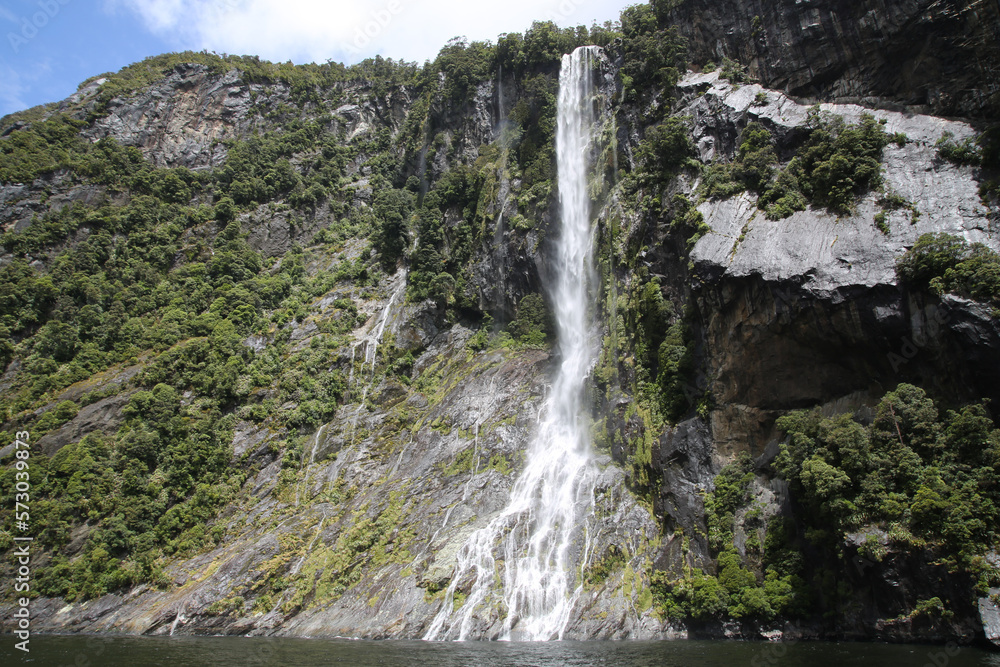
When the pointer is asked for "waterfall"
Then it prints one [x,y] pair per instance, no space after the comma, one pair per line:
[370,345]
[319,434]
[500,93]
[375,338]
[526,565]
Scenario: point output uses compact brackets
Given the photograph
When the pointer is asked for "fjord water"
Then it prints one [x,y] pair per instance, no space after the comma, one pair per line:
[53,651]
[542,536]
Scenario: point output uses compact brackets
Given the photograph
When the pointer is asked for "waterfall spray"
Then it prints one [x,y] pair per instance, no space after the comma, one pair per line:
[523,565]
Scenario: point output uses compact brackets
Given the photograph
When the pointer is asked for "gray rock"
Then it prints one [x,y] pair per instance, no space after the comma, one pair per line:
[819,250]
[820,292]
[103,416]
[989,613]
[182,120]
[369,521]
[942,56]
[688,463]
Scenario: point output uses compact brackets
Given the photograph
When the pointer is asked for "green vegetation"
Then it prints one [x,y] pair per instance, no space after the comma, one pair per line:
[983,152]
[367,540]
[943,264]
[928,479]
[161,274]
[598,571]
[919,472]
[158,282]
[762,585]
[730,494]
[647,353]
[443,251]
[752,169]
[835,164]
[733,72]
[655,54]
[392,209]
[662,349]
[966,151]
[989,185]
[305,81]
[665,150]
[45,147]
[881,223]
[533,323]
[891,201]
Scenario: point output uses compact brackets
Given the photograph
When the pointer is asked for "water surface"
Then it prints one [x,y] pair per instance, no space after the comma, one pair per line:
[53,651]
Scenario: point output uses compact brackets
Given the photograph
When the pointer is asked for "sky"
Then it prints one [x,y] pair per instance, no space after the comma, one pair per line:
[47,47]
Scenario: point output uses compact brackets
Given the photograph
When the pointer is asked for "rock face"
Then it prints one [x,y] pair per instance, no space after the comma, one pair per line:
[103,416]
[357,530]
[687,463]
[819,291]
[375,517]
[807,311]
[181,121]
[20,203]
[942,56]
[989,613]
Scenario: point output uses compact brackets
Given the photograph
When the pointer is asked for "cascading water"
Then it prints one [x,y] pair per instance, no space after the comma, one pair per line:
[370,346]
[542,537]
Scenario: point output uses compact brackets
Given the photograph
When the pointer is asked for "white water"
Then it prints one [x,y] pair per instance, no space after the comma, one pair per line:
[374,339]
[370,345]
[350,378]
[319,434]
[542,536]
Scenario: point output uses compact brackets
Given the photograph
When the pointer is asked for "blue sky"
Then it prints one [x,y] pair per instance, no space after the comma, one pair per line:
[47,47]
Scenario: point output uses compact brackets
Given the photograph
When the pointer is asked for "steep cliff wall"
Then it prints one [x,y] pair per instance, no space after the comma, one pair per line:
[937,55]
[824,285]
[343,325]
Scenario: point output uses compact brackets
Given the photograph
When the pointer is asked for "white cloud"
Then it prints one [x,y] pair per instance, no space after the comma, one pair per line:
[348,31]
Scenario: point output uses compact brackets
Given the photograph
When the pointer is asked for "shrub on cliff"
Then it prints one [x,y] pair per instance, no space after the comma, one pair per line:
[943,263]
[752,169]
[533,323]
[655,57]
[931,474]
[835,164]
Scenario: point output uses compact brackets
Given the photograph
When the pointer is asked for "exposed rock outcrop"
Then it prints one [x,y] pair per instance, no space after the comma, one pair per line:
[410,479]
[183,120]
[819,291]
[940,56]
[354,529]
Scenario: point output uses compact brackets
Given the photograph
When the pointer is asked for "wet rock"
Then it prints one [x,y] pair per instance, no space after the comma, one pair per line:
[688,463]
[418,326]
[357,536]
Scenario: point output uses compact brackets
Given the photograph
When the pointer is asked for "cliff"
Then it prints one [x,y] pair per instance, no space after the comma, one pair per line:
[281,340]
[938,57]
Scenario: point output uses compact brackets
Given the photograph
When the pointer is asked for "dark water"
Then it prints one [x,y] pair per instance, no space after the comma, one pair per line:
[243,652]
